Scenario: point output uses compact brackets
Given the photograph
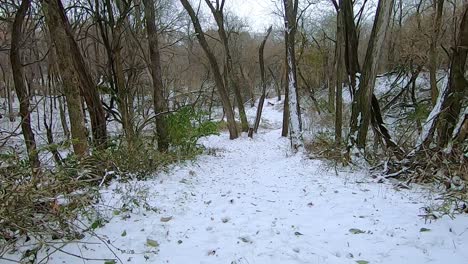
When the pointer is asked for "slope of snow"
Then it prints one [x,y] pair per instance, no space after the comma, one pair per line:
[251,201]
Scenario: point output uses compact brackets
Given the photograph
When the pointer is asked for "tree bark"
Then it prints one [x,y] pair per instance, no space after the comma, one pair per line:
[86,85]
[339,62]
[21,91]
[111,33]
[295,132]
[53,11]
[160,105]
[262,75]
[446,112]
[232,79]
[362,101]
[277,85]
[351,41]
[216,72]
[285,128]
[457,83]
[438,7]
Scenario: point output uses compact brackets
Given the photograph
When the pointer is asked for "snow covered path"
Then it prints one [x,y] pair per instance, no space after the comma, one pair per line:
[248,201]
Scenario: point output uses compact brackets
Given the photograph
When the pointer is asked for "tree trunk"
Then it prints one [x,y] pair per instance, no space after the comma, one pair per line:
[11,99]
[21,91]
[277,85]
[111,33]
[231,122]
[87,87]
[53,11]
[262,75]
[447,110]
[295,132]
[285,128]
[160,105]
[122,89]
[231,76]
[339,61]
[63,119]
[362,101]
[86,84]
[351,41]
[438,7]
[330,81]
[457,83]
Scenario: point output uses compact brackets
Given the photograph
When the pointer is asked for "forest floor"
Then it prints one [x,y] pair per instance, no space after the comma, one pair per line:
[252,201]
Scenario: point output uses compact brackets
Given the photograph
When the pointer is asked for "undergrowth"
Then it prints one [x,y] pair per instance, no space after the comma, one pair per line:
[57,203]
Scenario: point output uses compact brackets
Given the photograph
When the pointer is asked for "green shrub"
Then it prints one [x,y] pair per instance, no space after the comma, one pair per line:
[186,126]
[140,159]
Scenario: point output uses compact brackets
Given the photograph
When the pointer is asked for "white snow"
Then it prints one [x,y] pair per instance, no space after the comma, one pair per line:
[432,118]
[252,201]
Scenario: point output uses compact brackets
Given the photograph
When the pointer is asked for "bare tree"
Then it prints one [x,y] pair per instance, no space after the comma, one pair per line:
[290,16]
[216,71]
[262,74]
[232,80]
[340,47]
[438,8]
[18,78]
[446,116]
[160,105]
[57,23]
[362,101]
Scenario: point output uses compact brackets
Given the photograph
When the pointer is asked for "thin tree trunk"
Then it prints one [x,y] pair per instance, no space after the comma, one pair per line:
[438,7]
[11,99]
[351,41]
[63,119]
[21,91]
[216,72]
[285,128]
[87,88]
[339,61]
[330,82]
[231,79]
[262,75]
[160,105]
[277,85]
[251,86]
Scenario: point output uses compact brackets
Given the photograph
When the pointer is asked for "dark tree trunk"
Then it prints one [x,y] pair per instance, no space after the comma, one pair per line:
[438,8]
[351,41]
[223,94]
[277,85]
[339,61]
[20,87]
[86,85]
[232,79]
[160,105]
[290,16]
[285,128]
[457,84]
[262,75]
[446,112]
[362,101]
[54,14]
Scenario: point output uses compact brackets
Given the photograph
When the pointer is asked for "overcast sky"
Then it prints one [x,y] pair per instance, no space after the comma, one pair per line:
[258,13]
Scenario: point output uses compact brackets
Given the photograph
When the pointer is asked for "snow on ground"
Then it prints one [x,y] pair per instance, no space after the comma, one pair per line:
[250,201]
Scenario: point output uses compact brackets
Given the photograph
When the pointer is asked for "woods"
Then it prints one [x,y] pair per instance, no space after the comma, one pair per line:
[96,93]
